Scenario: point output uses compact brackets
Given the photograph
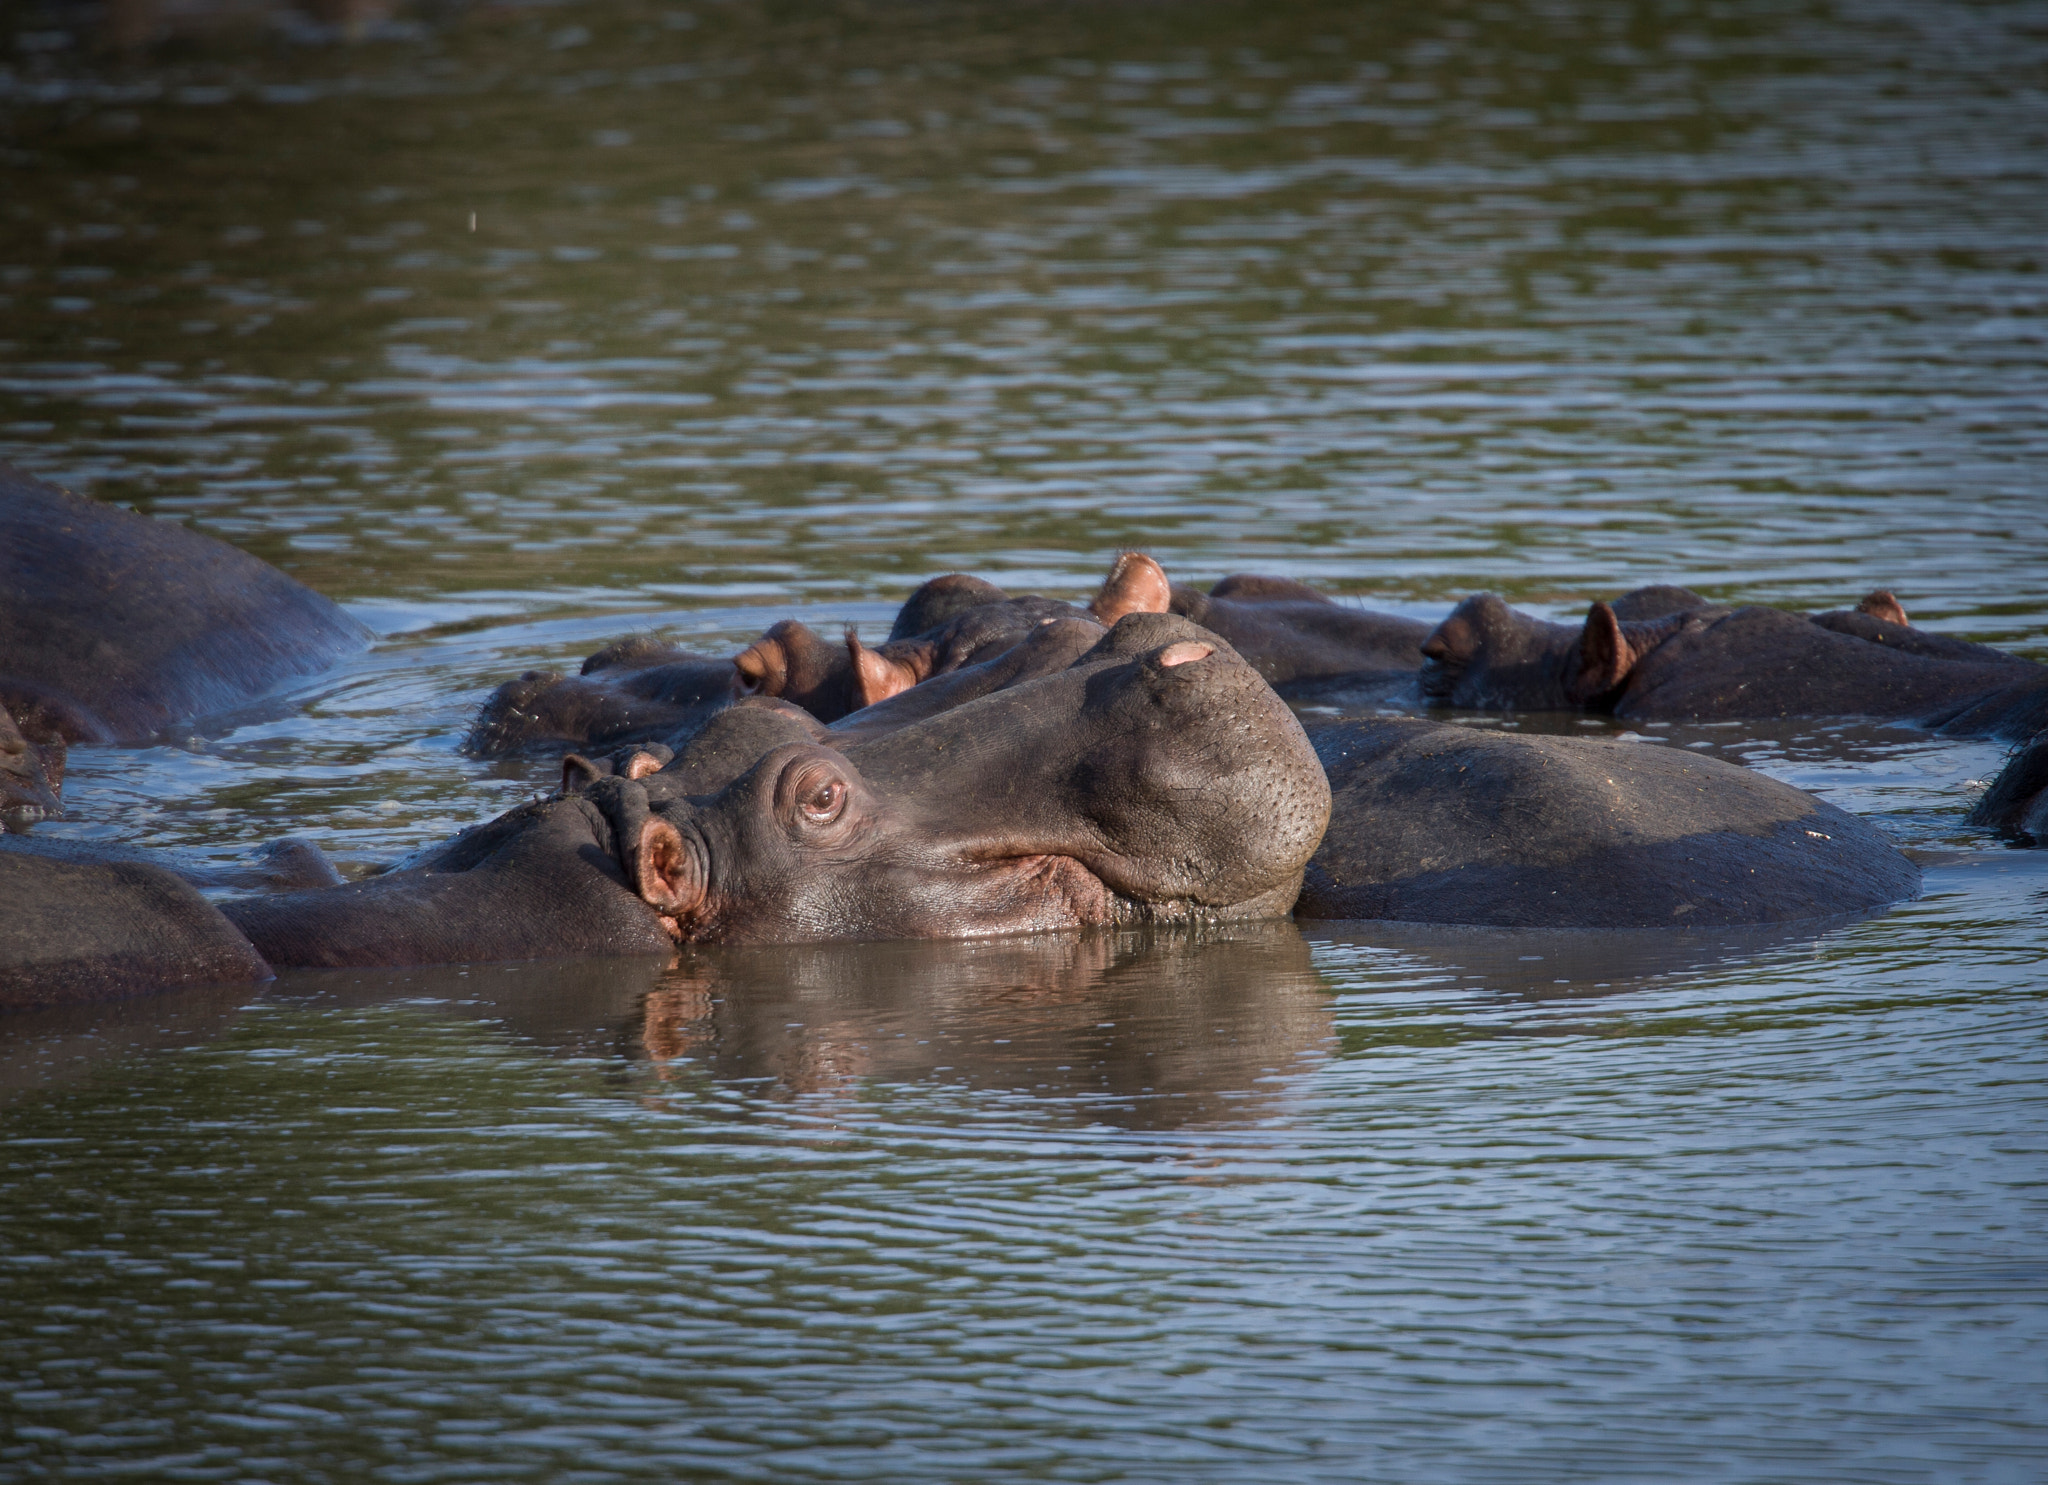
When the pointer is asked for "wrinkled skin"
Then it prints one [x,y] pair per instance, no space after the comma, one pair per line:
[1441,824]
[31,775]
[1302,642]
[1656,662]
[76,933]
[1156,779]
[114,627]
[639,690]
[2016,804]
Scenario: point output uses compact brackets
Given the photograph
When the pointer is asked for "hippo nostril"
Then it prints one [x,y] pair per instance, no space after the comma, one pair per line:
[1185,653]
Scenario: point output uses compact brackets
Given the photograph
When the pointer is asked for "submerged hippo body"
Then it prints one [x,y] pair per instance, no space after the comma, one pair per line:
[114,627]
[78,932]
[1708,663]
[1434,823]
[1156,778]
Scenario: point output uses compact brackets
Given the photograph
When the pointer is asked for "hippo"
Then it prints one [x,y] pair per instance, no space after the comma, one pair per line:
[2016,804]
[1666,660]
[114,627]
[80,932]
[640,689]
[1437,823]
[1156,778]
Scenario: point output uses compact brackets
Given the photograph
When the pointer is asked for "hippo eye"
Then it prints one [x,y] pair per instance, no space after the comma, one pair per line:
[1436,649]
[821,802]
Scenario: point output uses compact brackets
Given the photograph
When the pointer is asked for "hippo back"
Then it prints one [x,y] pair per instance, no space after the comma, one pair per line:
[114,626]
[1441,824]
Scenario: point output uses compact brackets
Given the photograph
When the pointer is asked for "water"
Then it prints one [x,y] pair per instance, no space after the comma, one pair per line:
[776,311]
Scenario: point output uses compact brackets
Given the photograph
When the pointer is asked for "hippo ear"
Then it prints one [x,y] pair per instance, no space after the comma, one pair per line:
[1604,657]
[664,870]
[641,764]
[1882,605]
[579,773]
[876,676]
[1136,585]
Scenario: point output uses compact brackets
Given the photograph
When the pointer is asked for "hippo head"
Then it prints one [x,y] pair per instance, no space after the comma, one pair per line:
[1488,655]
[1157,778]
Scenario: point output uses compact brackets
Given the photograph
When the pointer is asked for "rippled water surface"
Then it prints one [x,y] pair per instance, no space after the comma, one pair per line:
[516,327]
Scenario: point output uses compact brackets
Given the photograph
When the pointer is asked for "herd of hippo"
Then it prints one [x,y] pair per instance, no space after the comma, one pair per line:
[1000,764]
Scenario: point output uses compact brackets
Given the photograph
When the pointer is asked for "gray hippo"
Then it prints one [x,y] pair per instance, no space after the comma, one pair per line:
[1434,823]
[78,932]
[641,689]
[1156,778]
[114,627]
[1670,655]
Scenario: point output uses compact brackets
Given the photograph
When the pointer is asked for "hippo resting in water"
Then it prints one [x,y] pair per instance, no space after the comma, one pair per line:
[641,689]
[1433,823]
[73,932]
[1155,778]
[1665,654]
[114,627]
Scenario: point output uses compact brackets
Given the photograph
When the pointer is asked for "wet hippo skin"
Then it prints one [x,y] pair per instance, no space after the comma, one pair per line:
[1654,662]
[1157,778]
[74,933]
[1443,824]
[114,627]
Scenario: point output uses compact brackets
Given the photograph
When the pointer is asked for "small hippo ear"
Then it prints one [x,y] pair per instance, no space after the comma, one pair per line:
[663,869]
[579,773]
[641,764]
[1882,605]
[1604,657]
[876,676]
[1136,585]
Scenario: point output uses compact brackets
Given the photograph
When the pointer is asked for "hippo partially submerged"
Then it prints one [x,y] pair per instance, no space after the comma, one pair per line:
[1156,778]
[1435,823]
[641,689]
[114,627]
[1662,658]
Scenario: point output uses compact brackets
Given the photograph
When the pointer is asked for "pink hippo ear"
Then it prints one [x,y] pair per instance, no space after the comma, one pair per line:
[1136,585]
[1605,658]
[640,765]
[665,872]
[1882,605]
[878,676]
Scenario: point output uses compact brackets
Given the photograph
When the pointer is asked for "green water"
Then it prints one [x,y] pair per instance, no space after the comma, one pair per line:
[778,309]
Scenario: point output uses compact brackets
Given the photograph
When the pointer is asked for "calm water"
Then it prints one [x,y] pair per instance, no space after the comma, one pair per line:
[779,309]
